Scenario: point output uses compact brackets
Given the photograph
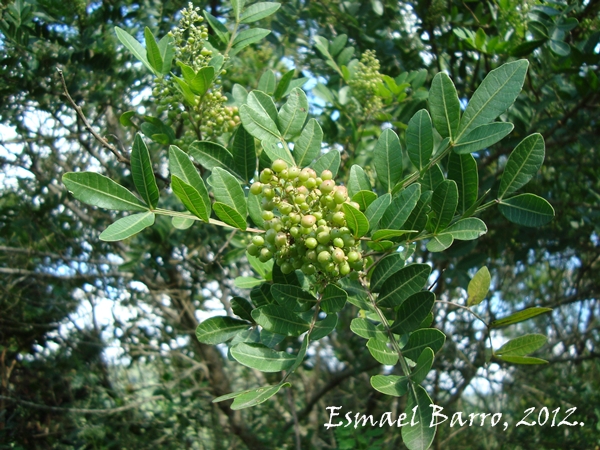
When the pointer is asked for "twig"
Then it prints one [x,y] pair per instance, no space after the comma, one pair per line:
[82,410]
[87,124]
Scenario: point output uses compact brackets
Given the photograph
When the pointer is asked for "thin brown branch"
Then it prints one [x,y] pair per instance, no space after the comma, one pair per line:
[87,124]
[82,410]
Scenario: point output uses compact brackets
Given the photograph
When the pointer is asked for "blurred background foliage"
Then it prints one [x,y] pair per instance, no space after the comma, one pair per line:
[97,346]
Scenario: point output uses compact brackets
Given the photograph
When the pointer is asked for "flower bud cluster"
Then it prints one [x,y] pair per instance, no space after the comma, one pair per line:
[305,223]
[365,84]
[210,115]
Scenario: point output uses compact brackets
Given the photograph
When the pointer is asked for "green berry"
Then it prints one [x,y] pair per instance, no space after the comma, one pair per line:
[280,239]
[259,241]
[267,215]
[326,175]
[327,186]
[311,242]
[344,268]
[339,218]
[287,268]
[339,255]
[338,242]
[252,250]
[324,257]
[256,188]
[308,269]
[308,221]
[279,165]
[324,237]
[266,175]
[353,256]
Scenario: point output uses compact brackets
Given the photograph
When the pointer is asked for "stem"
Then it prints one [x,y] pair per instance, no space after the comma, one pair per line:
[466,309]
[166,212]
[436,159]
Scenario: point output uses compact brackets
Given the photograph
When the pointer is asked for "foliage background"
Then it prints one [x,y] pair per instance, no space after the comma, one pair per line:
[97,346]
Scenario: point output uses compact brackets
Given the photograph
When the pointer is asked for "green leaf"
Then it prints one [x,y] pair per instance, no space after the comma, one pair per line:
[283,85]
[270,339]
[264,269]
[424,363]
[259,357]
[440,243]
[293,113]
[324,327]
[494,95]
[527,209]
[98,190]
[125,118]
[227,190]
[261,295]
[255,210]
[186,91]
[202,80]
[247,282]
[242,308]
[376,210]
[329,161]
[420,436]
[419,139]
[432,178]
[522,346]
[466,229]
[134,47]
[479,286]
[523,163]
[229,215]
[522,359]
[167,53]
[191,198]
[463,170]
[211,155]
[182,167]
[418,217]
[237,6]
[301,353]
[367,329]
[387,159]
[519,316]
[413,312]
[390,384]
[262,103]
[364,199]
[407,281]
[308,145]
[182,223]
[483,137]
[127,226]
[402,205]
[266,83]
[244,153]
[357,181]
[381,235]
[259,125]
[248,37]
[444,105]
[443,204]
[274,151]
[217,330]
[153,52]
[256,396]
[356,221]
[334,299]
[294,298]
[384,269]
[217,27]
[142,173]
[381,352]
[420,339]
[280,320]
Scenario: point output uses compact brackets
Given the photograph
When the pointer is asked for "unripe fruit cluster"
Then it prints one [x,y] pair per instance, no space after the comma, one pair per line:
[305,223]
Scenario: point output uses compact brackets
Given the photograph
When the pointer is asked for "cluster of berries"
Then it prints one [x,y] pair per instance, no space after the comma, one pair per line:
[305,223]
